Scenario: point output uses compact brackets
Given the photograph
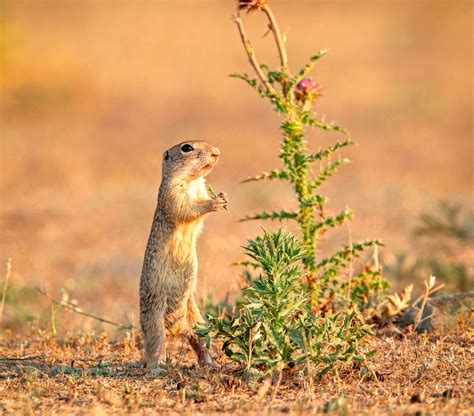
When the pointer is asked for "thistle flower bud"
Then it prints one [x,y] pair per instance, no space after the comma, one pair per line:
[306,89]
[250,5]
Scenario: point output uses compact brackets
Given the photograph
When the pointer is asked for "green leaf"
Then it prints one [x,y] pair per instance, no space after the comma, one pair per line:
[321,154]
[348,252]
[332,222]
[315,200]
[250,81]
[325,126]
[274,174]
[274,215]
[308,67]
[327,172]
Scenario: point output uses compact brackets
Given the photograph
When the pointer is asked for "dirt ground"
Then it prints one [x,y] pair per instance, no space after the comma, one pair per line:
[85,374]
[93,94]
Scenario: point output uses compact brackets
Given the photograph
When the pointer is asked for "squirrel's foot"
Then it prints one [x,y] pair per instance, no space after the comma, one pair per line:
[205,359]
[219,202]
[154,369]
[155,372]
[209,363]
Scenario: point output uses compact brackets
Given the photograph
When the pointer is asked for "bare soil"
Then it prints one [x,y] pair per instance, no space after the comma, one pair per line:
[87,374]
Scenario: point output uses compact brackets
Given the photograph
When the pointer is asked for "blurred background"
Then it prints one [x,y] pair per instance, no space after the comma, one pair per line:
[93,92]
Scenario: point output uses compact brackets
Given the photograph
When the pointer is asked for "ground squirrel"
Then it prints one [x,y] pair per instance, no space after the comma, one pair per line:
[169,272]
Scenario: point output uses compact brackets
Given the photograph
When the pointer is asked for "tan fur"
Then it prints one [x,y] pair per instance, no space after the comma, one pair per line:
[169,272]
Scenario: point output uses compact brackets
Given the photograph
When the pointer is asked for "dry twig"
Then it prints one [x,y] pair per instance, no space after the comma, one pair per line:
[429,290]
[251,55]
[277,35]
[67,304]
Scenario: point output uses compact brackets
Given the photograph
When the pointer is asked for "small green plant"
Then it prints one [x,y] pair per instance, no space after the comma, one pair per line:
[444,245]
[293,96]
[274,326]
[298,309]
[450,222]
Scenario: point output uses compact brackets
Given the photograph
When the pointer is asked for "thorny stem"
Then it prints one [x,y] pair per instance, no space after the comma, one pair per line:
[299,167]
[294,148]
[251,54]
[305,215]
[277,35]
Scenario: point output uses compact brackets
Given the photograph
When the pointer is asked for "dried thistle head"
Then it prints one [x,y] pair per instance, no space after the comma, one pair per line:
[251,5]
[307,89]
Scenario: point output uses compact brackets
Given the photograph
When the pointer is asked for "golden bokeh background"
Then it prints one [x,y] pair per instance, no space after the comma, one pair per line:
[93,92]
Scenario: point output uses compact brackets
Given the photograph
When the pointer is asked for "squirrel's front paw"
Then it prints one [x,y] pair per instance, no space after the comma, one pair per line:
[219,202]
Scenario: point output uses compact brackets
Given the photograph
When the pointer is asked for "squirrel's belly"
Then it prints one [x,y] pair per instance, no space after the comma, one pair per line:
[182,260]
[170,278]
[171,265]
[178,256]
[178,283]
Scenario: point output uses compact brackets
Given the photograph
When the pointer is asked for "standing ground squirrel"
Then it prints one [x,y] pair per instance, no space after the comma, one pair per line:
[169,272]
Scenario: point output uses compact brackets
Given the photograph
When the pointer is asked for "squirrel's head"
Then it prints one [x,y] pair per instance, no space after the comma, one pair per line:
[190,160]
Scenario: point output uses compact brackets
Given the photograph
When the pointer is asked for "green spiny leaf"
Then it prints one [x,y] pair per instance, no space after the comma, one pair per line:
[348,252]
[274,174]
[321,154]
[332,222]
[274,215]
[325,126]
[315,200]
[327,172]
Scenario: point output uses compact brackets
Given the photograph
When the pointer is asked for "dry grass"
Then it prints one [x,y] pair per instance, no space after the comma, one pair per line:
[87,374]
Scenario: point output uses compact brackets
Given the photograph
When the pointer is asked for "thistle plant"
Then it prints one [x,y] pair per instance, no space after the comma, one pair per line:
[274,327]
[298,309]
[293,95]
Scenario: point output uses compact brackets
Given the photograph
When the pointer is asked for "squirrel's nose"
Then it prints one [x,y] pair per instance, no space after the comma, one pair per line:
[215,153]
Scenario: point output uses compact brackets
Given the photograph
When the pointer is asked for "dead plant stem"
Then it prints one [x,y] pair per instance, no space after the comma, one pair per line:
[277,35]
[79,311]
[251,55]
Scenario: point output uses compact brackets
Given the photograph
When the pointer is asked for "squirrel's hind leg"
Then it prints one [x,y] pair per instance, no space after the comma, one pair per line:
[153,326]
[194,316]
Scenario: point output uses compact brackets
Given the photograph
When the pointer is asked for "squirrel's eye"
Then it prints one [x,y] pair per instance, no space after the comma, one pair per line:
[187,148]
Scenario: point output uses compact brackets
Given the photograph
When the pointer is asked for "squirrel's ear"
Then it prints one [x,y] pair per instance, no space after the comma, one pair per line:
[166,156]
